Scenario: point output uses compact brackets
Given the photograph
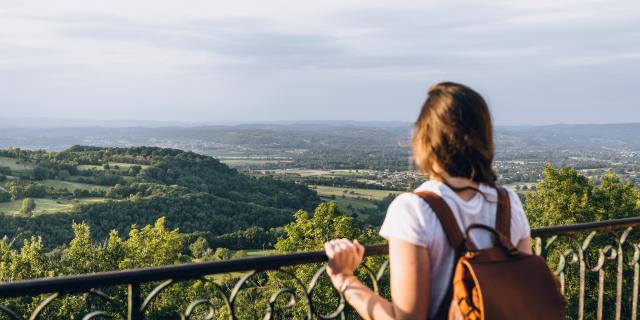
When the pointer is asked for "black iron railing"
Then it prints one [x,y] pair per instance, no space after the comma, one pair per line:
[605,254]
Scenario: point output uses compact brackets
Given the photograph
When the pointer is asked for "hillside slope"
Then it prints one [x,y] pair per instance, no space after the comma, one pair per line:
[196,193]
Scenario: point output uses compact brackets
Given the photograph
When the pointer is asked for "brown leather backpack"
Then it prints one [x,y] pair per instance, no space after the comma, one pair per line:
[499,282]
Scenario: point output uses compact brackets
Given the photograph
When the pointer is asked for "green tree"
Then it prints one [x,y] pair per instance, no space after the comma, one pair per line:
[199,247]
[112,252]
[5,170]
[222,254]
[310,233]
[28,205]
[562,197]
[80,255]
[4,196]
[614,199]
[153,246]
[134,170]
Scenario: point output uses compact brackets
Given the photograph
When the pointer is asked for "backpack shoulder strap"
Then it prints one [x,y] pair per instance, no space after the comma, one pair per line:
[454,236]
[503,217]
[446,218]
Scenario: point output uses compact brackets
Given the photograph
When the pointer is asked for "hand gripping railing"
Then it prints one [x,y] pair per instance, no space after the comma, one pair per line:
[604,254]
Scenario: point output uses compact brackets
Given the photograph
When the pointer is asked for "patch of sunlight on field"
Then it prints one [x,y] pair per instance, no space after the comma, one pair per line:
[46,206]
[323,173]
[59,184]
[259,252]
[348,205]
[334,173]
[121,166]
[242,162]
[351,193]
[15,164]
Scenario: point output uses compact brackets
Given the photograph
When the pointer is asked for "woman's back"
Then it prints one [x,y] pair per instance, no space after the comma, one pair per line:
[453,142]
[410,218]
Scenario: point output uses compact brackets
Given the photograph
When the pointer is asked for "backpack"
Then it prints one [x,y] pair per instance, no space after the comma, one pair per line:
[499,282]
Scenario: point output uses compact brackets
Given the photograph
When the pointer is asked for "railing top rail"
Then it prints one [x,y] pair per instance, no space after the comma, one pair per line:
[587,226]
[84,282]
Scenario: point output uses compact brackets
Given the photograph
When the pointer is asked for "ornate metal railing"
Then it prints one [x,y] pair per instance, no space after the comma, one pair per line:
[604,254]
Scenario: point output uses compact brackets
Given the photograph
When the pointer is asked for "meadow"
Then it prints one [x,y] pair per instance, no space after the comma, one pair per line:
[352,200]
[15,164]
[46,205]
[60,184]
[352,193]
[117,166]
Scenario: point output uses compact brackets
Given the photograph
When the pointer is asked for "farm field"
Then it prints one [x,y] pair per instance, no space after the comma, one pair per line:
[121,166]
[15,164]
[252,162]
[349,205]
[321,173]
[59,184]
[351,200]
[352,193]
[258,252]
[45,206]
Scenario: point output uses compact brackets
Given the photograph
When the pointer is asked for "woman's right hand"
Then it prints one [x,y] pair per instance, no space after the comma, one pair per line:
[344,257]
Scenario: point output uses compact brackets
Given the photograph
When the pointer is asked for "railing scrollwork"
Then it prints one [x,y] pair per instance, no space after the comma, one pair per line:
[606,254]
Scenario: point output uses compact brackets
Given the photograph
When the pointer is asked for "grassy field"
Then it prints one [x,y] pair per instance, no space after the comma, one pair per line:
[248,162]
[121,166]
[350,200]
[352,193]
[348,205]
[15,164]
[259,252]
[59,184]
[45,206]
[323,173]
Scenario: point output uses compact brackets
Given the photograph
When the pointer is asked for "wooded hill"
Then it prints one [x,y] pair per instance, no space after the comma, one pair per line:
[196,193]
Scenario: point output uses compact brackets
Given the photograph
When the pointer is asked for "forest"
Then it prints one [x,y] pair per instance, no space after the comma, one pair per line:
[119,187]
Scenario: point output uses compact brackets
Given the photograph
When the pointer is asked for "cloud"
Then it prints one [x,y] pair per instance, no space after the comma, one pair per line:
[195,59]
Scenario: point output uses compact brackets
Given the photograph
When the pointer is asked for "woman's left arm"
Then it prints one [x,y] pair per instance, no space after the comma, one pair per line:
[410,280]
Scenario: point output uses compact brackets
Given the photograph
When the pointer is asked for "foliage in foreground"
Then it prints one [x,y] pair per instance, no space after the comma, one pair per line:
[566,197]
[156,245]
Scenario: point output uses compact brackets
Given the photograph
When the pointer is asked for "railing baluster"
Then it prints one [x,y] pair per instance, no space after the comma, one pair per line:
[581,279]
[600,293]
[619,275]
[599,268]
[134,302]
[40,308]
[634,299]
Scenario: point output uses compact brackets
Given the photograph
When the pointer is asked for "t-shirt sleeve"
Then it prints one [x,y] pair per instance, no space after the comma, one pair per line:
[405,220]
[519,223]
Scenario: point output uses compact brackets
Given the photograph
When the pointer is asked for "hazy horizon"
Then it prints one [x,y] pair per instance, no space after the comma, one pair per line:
[536,62]
[53,123]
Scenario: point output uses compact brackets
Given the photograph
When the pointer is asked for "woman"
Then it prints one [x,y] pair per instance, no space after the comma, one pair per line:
[453,143]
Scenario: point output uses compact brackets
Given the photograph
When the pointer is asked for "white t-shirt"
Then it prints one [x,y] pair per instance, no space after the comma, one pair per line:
[410,218]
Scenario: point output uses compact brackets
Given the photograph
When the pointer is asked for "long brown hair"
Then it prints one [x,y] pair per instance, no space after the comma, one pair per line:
[454,130]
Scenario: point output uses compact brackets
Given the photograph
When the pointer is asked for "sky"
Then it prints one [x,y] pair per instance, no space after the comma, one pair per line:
[535,61]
